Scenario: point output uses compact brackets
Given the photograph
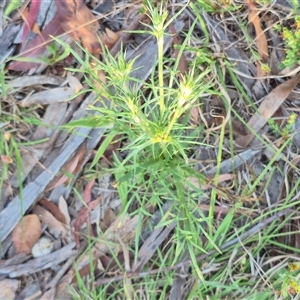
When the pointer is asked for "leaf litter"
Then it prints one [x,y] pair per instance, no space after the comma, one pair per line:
[53,216]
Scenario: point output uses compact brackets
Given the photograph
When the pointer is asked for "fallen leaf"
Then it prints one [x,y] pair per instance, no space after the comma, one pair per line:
[36,47]
[51,96]
[221,178]
[109,38]
[26,233]
[72,167]
[25,81]
[74,83]
[81,154]
[261,39]
[79,22]
[51,207]
[194,111]
[30,18]
[111,261]
[87,194]
[83,217]
[63,206]
[195,181]
[267,108]
[55,227]
[54,95]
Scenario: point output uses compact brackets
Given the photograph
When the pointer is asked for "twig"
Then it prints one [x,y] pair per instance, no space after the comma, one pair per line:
[60,273]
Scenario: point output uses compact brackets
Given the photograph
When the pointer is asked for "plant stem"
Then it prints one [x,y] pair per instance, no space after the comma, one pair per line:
[160,45]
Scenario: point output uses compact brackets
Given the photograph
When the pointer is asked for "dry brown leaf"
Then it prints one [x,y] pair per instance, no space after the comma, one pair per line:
[261,39]
[63,206]
[54,226]
[80,23]
[51,207]
[26,234]
[267,108]
[73,166]
[109,38]
[80,154]
[195,181]
[83,217]
[195,115]
[87,193]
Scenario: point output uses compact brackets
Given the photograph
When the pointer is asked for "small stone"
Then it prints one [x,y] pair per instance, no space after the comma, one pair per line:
[44,246]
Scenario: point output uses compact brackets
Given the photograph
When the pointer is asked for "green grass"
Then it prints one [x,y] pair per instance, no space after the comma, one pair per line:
[10,116]
[16,126]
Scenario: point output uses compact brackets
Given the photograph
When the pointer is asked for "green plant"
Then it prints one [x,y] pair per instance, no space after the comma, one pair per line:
[157,137]
[287,129]
[54,54]
[10,156]
[292,42]
[288,281]
[14,123]
[11,6]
